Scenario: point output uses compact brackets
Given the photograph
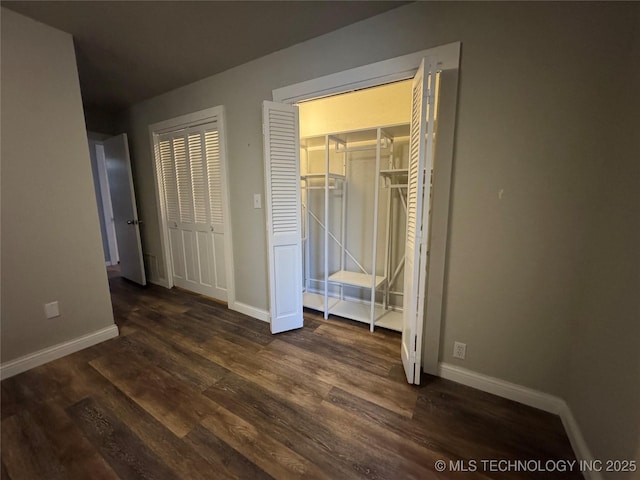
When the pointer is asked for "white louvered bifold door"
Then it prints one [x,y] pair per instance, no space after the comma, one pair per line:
[420,164]
[282,201]
[190,162]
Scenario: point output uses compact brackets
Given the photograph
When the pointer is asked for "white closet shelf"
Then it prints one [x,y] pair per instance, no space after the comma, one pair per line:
[391,320]
[356,279]
[322,175]
[315,301]
[355,311]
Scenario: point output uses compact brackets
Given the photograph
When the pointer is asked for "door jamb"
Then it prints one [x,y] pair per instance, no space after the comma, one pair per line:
[178,123]
[387,71]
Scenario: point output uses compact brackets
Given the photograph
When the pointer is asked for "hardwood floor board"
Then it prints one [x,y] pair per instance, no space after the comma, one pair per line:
[222,312]
[540,425]
[4,474]
[298,388]
[371,343]
[26,452]
[396,452]
[174,403]
[124,451]
[72,449]
[398,398]
[258,446]
[225,461]
[172,334]
[181,457]
[62,382]
[352,325]
[228,329]
[153,320]
[184,364]
[9,397]
[473,419]
[324,347]
[435,437]
[192,390]
[295,427]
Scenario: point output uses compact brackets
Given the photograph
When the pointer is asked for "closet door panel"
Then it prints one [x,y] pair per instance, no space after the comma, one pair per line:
[420,162]
[283,209]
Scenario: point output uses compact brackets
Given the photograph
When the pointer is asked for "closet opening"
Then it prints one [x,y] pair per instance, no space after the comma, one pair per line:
[338,187]
[354,160]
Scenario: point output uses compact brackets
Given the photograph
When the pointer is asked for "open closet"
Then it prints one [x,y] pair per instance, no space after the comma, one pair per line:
[348,201]
[353,194]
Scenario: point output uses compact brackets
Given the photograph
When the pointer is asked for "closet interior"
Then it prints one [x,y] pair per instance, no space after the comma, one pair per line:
[354,155]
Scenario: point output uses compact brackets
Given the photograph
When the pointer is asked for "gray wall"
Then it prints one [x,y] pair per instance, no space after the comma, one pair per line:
[603,388]
[535,99]
[51,248]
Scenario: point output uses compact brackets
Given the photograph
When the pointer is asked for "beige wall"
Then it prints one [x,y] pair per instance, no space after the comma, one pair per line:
[603,388]
[534,97]
[51,247]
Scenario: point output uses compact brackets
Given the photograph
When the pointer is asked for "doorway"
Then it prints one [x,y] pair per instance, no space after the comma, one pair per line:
[117,207]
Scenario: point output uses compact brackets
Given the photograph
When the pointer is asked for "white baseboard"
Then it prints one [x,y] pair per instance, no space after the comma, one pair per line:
[254,312]
[27,362]
[502,388]
[528,396]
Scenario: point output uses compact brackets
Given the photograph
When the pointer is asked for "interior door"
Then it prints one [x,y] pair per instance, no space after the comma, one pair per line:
[190,160]
[418,197]
[283,209]
[125,212]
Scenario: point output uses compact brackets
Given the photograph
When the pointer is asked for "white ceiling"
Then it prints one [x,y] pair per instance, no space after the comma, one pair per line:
[132,50]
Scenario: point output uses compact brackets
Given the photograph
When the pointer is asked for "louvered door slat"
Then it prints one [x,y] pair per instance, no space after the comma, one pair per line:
[198,179]
[212,148]
[183,180]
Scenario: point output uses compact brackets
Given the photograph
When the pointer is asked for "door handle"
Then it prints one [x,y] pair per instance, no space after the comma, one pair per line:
[134,222]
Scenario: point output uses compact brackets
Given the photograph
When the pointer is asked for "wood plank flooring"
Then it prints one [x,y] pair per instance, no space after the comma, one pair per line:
[191,390]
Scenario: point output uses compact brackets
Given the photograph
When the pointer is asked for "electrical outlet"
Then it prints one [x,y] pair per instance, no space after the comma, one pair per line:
[52,310]
[257,200]
[459,350]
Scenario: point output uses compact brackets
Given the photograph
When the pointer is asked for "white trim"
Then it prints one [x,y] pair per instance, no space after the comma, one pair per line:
[35,359]
[177,123]
[249,310]
[528,396]
[502,388]
[387,71]
[447,58]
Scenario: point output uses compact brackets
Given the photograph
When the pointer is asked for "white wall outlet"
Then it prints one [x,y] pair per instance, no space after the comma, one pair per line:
[459,350]
[257,200]
[52,310]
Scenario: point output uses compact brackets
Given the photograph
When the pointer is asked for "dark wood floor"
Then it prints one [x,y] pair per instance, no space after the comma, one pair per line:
[191,390]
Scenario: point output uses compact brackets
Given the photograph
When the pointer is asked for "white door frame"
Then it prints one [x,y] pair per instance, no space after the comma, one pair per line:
[184,121]
[392,70]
